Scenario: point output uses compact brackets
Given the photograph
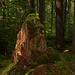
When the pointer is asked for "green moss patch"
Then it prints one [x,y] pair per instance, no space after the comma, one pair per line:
[33,24]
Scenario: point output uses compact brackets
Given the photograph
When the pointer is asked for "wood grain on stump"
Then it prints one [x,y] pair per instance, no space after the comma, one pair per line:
[30,37]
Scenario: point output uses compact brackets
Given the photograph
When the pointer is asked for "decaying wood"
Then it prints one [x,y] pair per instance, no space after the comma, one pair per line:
[28,40]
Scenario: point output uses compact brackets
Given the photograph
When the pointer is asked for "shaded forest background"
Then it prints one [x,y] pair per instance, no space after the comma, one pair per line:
[14,12]
[58,18]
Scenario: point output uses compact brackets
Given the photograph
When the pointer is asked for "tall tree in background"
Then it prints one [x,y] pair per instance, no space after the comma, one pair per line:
[73,42]
[51,14]
[69,10]
[59,24]
[42,12]
[3,5]
[20,13]
[16,11]
[37,6]
[32,6]
[65,15]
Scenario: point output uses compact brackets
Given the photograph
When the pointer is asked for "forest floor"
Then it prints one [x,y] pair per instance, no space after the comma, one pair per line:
[50,62]
[4,63]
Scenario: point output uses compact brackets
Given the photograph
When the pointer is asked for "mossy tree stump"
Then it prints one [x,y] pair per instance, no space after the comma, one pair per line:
[30,37]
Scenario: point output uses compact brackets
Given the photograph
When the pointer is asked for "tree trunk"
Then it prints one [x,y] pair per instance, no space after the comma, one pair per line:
[42,12]
[51,15]
[20,15]
[69,10]
[16,12]
[65,16]
[3,12]
[73,42]
[59,24]
[37,7]
[31,6]
[8,13]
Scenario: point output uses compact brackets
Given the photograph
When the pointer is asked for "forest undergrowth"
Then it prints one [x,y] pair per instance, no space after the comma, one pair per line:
[51,62]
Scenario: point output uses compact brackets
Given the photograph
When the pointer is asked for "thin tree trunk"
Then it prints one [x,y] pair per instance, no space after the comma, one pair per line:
[3,12]
[73,42]
[20,15]
[65,16]
[37,7]
[32,6]
[42,13]
[51,15]
[59,24]
[69,10]
[8,13]
[16,12]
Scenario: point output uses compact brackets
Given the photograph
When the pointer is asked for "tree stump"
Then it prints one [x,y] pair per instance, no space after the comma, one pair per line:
[30,37]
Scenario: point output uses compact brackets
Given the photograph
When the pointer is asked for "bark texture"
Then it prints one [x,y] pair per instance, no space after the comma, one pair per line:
[69,12]
[42,13]
[65,16]
[30,37]
[59,24]
[51,15]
